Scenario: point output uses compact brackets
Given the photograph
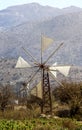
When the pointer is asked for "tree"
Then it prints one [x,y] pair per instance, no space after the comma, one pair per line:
[71,94]
[5,96]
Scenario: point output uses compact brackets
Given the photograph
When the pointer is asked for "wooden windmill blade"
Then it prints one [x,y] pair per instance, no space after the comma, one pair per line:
[62,69]
[53,72]
[37,90]
[53,53]
[33,76]
[21,63]
[53,76]
[28,53]
[45,42]
[26,85]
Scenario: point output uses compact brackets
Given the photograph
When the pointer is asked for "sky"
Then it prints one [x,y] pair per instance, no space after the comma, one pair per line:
[54,3]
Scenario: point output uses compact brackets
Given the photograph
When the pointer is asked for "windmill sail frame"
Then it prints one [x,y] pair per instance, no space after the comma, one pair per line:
[46,106]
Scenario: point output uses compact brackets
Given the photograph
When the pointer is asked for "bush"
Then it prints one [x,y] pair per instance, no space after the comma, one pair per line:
[70,94]
[69,124]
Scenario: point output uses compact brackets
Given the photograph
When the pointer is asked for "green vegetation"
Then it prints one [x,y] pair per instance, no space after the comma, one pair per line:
[70,95]
[40,124]
[67,110]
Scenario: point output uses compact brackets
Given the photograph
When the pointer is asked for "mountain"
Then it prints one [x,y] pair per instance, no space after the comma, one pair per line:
[65,28]
[22,26]
[62,25]
[32,12]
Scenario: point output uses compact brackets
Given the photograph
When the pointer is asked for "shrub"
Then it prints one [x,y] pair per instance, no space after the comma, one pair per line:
[70,94]
[69,124]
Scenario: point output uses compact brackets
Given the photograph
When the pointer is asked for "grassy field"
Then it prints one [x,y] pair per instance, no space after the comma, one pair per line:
[30,120]
[40,124]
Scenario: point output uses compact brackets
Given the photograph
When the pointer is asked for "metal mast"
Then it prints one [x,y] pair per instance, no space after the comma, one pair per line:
[47,102]
[46,106]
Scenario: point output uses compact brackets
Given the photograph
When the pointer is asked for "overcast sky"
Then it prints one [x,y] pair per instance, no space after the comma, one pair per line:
[55,3]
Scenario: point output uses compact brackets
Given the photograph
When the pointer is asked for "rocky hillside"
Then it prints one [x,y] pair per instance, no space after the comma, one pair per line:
[32,12]
[10,75]
[22,26]
[65,28]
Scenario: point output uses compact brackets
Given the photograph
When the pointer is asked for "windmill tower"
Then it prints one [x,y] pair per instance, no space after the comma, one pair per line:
[44,89]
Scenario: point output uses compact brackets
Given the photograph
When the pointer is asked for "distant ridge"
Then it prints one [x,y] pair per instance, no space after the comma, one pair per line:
[32,12]
[23,25]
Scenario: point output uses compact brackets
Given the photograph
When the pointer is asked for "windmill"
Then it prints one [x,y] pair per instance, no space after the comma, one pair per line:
[44,89]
